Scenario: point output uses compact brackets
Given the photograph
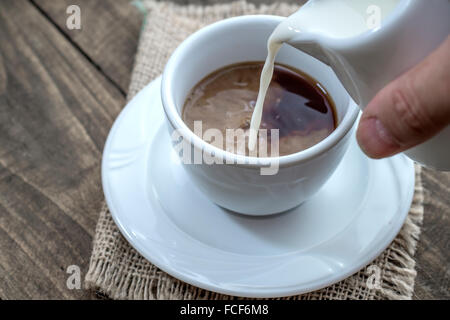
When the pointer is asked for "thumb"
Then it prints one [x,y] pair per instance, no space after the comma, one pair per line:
[410,110]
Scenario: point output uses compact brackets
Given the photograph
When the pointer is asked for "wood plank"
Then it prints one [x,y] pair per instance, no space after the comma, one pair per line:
[109,33]
[433,258]
[55,112]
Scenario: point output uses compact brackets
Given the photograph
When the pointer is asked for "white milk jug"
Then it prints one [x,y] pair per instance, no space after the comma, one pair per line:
[370,43]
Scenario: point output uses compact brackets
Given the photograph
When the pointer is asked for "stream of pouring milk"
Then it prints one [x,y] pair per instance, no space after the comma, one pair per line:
[333,18]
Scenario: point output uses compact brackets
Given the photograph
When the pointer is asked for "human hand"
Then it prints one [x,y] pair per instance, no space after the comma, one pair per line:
[410,110]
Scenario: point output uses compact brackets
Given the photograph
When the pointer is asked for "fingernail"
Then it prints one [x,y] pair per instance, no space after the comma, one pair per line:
[375,140]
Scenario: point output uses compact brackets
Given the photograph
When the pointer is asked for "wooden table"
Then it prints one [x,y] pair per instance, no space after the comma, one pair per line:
[60,91]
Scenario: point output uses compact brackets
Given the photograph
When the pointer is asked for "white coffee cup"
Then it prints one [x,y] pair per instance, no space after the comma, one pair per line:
[240,186]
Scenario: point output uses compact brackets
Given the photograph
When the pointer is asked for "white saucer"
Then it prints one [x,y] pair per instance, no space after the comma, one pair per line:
[344,227]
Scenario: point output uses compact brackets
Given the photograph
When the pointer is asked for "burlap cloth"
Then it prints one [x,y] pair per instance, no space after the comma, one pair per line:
[118,271]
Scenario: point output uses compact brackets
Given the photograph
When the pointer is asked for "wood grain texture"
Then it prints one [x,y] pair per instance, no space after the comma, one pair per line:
[55,112]
[109,30]
[60,91]
[433,251]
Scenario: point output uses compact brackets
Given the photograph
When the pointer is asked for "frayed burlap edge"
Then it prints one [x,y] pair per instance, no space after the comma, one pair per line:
[118,271]
[113,278]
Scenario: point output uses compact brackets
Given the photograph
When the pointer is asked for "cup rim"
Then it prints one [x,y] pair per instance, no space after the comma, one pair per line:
[176,121]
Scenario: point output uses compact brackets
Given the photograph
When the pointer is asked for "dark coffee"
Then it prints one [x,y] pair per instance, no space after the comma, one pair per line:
[295,104]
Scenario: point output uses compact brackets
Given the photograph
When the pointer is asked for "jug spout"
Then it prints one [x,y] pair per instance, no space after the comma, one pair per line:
[366,62]
[343,69]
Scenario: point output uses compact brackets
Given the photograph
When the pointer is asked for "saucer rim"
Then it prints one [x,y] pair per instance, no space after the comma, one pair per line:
[245,291]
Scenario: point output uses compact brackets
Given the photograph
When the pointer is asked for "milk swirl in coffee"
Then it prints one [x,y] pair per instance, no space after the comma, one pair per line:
[332,18]
[296,106]
[250,96]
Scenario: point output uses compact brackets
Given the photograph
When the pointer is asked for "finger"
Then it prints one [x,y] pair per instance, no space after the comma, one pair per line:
[410,110]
